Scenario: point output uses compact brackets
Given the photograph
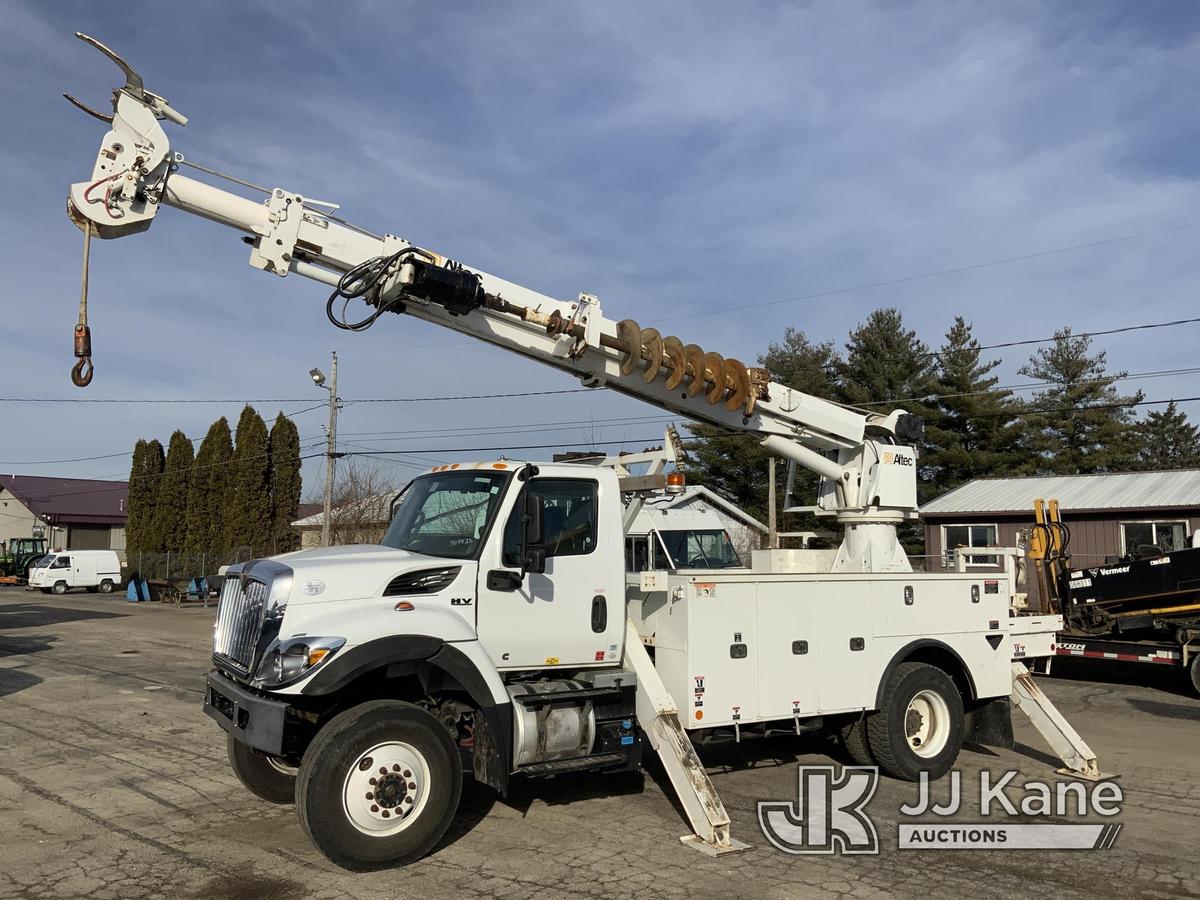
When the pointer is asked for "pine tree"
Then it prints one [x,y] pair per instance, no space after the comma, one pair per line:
[973,430]
[285,482]
[207,493]
[1083,424]
[735,465]
[248,496]
[1167,440]
[886,365]
[170,512]
[145,473]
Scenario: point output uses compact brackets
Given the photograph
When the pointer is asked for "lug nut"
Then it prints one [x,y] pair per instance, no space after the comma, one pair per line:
[395,768]
[408,800]
[370,796]
[386,814]
[382,770]
[407,774]
[372,781]
[374,808]
[412,786]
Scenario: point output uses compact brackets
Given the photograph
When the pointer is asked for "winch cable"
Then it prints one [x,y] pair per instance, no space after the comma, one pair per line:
[82,371]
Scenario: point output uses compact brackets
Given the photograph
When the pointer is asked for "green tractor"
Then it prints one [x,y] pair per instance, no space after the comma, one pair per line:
[16,556]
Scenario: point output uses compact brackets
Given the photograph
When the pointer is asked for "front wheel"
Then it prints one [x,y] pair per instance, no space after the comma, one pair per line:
[60,587]
[264,776]
[379,785]
[919,725]
[1194,672]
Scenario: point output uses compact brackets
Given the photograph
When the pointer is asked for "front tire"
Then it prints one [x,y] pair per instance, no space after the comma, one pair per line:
[379,785]
[265,777]
[60,587]
[1194,672]
[919,726]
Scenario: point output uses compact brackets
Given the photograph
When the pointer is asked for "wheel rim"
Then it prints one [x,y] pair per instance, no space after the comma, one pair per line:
[386,789]
[927,724]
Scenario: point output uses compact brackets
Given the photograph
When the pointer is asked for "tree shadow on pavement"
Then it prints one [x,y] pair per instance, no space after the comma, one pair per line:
[35,615]
[15,678]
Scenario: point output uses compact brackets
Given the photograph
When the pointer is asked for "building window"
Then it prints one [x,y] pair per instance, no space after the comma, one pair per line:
[955,536]
[1166,536]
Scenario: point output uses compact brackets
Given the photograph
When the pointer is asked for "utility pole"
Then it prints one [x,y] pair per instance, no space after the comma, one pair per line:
[772,530]
[318,378]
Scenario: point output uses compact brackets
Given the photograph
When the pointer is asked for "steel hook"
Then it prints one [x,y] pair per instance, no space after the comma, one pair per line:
[81,372]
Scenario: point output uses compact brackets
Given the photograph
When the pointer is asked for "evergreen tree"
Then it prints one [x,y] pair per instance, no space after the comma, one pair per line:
[285,482]
[735,465]
[886,364]
[170,512]
[972,430]
[145,473]
[207,492]
[1083,424]
[248,495]
[1167,440]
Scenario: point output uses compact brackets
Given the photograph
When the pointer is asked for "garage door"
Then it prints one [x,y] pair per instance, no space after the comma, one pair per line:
[87,537]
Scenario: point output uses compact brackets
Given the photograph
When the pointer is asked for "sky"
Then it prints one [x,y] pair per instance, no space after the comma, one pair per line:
[674,159]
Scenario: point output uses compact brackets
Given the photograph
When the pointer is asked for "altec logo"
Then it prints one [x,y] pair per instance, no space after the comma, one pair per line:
[897,459]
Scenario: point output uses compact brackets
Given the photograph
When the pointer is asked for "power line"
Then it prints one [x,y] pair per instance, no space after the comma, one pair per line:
[293,400]
[870,285]
[501,449]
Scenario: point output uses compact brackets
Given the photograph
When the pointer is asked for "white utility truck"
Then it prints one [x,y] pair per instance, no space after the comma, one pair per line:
[489,632]
[58,572]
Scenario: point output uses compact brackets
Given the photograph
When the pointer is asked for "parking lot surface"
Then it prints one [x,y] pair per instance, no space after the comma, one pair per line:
[113,783]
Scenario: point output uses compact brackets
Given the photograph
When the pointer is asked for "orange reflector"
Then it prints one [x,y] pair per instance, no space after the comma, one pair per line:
[404,606]
[454,465]
[699,714]
[316,654]
[499,465]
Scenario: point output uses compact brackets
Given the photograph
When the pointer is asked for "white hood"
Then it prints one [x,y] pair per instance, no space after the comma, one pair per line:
[348,573]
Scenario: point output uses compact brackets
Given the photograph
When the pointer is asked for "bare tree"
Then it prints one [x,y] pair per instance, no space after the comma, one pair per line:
[362,497]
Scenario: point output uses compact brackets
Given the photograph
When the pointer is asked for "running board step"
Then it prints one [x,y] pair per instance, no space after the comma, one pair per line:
[579,764]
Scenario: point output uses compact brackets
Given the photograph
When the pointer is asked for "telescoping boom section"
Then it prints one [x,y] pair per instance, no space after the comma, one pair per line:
[865,459]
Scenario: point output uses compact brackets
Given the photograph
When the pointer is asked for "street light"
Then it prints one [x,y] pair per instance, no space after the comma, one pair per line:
[318,378]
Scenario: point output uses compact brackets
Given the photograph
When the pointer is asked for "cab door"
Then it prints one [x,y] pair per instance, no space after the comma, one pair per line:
[573,614]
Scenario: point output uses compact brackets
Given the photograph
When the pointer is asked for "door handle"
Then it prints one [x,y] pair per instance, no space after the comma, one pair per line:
[599,614]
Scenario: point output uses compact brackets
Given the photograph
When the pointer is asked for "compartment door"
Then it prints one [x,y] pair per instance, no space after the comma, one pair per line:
[787,651]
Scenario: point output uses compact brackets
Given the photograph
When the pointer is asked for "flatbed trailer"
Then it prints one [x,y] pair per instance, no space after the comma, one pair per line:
[1172,654]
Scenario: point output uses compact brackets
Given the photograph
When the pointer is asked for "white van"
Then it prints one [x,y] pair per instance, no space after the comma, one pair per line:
[96,570]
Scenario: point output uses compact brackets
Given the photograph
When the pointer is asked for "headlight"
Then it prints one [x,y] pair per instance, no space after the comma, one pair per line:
[293,659]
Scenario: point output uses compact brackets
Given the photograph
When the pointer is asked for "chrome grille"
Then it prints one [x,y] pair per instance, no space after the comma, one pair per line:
[239,622]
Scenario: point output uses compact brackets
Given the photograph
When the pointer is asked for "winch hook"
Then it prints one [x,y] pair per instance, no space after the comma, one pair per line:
[81,372]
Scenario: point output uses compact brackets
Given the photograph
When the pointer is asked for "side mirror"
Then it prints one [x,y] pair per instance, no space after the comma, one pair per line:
[534,560]
[531,519]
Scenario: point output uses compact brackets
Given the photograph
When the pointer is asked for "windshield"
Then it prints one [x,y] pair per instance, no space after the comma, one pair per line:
[40,562]
[701,549]
[446,514]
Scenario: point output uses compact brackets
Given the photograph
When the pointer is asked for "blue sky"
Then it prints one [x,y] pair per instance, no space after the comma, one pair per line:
[673,158]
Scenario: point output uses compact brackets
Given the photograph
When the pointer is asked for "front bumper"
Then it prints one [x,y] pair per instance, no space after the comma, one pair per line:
[253,718]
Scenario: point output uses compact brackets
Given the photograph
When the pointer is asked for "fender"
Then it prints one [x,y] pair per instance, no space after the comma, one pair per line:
[908,650]
[464,661]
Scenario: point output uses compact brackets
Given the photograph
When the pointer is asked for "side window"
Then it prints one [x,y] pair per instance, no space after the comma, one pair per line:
[569,523]
[637,553]
[61,562]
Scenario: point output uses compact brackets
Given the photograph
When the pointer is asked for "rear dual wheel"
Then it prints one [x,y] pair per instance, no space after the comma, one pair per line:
[920,723]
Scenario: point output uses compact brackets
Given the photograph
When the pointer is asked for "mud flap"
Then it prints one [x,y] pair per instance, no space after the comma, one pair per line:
[990,723]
